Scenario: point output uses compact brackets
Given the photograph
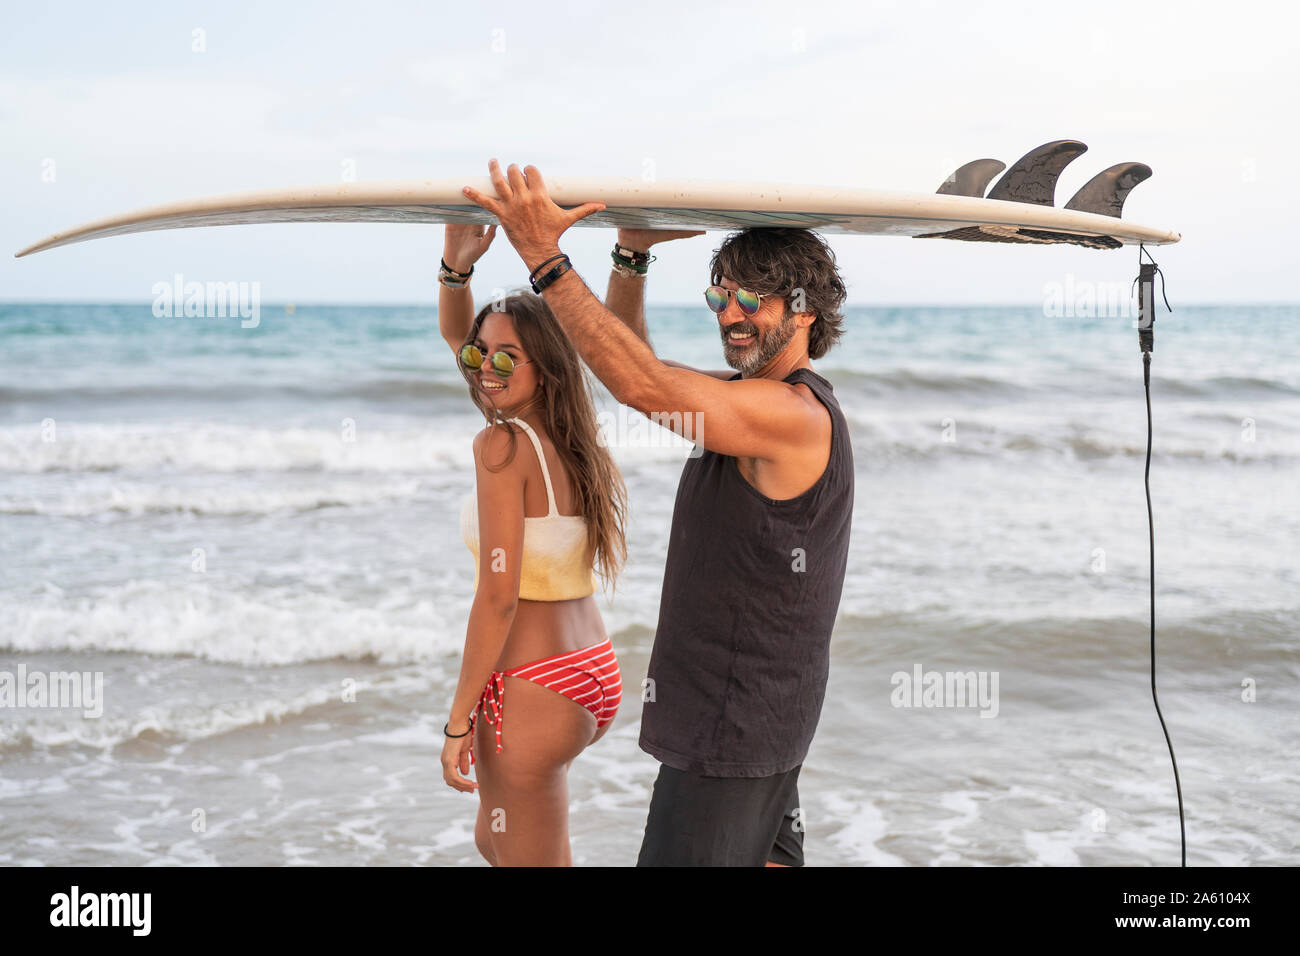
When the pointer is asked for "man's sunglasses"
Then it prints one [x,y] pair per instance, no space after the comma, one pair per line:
[717,297]
[471,357]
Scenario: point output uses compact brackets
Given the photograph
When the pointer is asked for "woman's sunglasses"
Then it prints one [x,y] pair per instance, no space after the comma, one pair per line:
[717,297]
[471,357]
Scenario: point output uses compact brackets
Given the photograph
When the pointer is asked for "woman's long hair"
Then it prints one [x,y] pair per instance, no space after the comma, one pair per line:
[570,416]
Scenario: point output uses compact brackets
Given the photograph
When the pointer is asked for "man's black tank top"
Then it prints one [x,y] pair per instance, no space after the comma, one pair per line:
[751,589]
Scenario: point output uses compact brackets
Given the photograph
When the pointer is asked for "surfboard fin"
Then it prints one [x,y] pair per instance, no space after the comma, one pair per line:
[1105,193]
[1032,178]
[971,179]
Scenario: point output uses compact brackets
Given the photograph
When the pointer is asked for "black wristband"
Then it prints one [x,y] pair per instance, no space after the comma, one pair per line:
[446,728]
[558,255]
[560,269]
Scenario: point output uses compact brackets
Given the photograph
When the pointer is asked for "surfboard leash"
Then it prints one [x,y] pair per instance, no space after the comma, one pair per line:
[1145,282]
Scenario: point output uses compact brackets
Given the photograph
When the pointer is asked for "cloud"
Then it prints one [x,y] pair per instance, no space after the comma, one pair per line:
[883,95]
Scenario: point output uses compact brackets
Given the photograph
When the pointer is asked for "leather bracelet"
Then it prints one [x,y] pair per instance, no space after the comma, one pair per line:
[560,269]
[533,274]
[632,257]
[446,728]
[452,272]
[629,262]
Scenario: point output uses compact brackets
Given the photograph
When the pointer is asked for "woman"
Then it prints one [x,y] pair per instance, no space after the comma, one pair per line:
[542,519]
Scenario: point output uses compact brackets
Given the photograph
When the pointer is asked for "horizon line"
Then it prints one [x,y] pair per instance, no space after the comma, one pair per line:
[664,305]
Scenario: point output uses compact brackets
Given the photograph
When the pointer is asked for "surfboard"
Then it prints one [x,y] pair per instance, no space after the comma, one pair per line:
[1019,208]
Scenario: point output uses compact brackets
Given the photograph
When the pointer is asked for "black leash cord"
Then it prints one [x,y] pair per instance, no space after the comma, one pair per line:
[1151,524]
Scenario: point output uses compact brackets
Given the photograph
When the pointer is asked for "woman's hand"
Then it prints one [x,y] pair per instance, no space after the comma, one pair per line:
[455,759]
[640,240]
[462,246]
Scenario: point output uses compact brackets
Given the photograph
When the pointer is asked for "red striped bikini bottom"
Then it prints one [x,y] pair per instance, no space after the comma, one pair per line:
[588,675]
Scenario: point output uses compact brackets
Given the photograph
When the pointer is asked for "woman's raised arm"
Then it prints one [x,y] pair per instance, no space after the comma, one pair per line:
[462,247]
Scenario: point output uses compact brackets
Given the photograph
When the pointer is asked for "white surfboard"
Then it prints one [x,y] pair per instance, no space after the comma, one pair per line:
[1018,208]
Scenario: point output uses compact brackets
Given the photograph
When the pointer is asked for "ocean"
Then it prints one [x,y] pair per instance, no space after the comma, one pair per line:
[251,535]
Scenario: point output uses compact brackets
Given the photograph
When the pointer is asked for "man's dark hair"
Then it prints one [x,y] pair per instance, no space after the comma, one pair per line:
[778,261]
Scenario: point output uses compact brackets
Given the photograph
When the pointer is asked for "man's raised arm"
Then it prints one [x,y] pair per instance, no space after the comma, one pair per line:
[625,295]
[756,417]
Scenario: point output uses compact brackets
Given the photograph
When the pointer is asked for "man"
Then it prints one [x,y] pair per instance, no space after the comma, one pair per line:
[760,532]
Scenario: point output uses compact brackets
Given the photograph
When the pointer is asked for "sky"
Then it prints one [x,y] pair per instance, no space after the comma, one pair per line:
[109,107]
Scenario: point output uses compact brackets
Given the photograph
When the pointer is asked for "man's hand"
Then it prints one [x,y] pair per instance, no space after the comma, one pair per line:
[640,240]
[532,221]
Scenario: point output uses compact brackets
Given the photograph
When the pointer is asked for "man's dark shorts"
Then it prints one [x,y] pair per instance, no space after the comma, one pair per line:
[723,821]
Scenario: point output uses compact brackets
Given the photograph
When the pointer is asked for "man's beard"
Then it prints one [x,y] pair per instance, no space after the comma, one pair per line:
[751,358]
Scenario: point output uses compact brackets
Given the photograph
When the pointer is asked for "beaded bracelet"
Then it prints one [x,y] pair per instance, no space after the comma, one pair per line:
[629,271]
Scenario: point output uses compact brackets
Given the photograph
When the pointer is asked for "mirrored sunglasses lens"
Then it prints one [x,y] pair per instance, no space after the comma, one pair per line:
[503,364]
[747,301]
[716,297]
[471,357]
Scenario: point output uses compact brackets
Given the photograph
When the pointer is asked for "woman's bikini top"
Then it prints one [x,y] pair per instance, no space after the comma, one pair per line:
[556,565]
